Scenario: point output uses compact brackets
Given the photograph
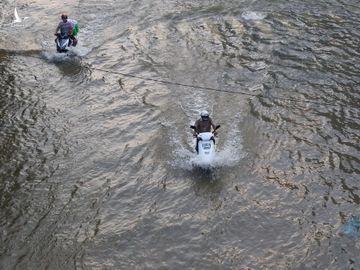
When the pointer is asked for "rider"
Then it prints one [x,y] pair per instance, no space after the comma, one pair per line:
[203,124]
[68,28]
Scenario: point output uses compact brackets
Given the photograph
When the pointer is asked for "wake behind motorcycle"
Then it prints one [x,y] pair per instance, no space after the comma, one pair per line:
[205,146]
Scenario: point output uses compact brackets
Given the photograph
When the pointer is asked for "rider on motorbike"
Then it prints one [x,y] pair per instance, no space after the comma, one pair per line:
[68,28]
[203,124]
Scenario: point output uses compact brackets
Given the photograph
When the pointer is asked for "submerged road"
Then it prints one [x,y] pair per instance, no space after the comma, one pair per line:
[98,168]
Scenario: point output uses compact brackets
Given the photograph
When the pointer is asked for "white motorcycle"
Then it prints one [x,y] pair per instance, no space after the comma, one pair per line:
[62,43]
[205,146]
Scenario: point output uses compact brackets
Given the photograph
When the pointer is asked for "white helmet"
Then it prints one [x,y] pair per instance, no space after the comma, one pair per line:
[204,114]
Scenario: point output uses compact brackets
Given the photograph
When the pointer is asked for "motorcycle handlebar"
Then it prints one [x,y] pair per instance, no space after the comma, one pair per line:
[214,131]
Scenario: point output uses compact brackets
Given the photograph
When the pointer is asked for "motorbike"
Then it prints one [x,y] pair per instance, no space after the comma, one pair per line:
[62,43]
[205,145]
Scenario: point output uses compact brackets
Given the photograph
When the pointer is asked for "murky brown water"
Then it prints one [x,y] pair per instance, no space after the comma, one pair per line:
[97,169]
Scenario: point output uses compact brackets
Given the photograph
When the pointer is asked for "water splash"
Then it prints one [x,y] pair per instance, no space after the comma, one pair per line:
[80,51]
[226,156]
[73,53]
[253,16]
[188,160]
[55,57]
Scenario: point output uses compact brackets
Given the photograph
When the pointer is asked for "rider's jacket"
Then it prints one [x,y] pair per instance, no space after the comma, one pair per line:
[203,126]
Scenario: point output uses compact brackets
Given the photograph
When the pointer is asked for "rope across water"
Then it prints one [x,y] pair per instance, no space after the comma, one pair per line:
[213,89]
[205,88]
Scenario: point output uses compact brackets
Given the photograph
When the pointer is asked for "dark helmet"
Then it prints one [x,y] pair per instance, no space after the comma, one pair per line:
[204,115]
[64,16]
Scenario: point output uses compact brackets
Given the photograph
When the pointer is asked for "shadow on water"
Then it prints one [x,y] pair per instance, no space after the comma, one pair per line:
[207,182]
[69,67]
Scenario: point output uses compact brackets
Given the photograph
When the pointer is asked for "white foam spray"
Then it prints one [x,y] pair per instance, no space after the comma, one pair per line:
[73,53]
[253,15]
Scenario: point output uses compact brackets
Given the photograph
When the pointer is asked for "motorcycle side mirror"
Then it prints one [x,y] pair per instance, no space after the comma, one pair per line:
[192,127]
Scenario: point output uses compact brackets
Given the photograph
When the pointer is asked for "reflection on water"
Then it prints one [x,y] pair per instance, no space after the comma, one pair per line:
[98,170]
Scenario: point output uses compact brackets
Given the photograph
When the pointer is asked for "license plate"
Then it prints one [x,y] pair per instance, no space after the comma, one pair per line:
[206,146]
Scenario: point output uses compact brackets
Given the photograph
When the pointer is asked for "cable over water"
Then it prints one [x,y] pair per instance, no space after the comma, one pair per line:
[197,87]
[214,89]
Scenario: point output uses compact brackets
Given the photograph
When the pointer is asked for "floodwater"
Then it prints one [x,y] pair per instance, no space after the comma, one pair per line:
[98,168]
